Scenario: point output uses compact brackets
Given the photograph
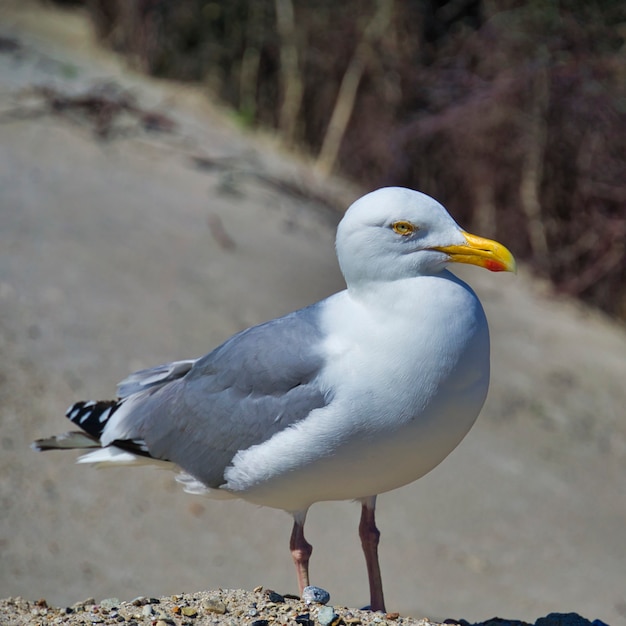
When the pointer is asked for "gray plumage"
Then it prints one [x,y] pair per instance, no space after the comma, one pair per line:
[199,414]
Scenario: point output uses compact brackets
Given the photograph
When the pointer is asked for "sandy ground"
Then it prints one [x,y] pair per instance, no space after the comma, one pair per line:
[124,253]
[229,607]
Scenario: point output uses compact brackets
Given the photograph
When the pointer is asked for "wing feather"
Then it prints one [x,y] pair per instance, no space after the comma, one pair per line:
[257,383]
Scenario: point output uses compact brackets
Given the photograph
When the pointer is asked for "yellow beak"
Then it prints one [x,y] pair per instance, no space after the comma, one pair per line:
[483,252]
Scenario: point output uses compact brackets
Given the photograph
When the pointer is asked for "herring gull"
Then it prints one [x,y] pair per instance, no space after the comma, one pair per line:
[302,408]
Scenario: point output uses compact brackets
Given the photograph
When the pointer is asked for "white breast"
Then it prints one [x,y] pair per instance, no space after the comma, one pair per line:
[407,372]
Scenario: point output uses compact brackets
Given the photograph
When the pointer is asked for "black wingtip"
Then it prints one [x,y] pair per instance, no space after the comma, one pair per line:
[92,416]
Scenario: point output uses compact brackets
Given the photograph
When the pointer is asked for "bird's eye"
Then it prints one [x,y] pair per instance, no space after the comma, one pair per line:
[403,228]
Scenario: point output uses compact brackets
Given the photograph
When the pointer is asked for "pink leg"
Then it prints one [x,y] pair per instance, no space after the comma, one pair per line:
[370,536]
[300,550]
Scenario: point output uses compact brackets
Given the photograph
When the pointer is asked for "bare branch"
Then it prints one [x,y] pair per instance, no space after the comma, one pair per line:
[349,85]
[290,70]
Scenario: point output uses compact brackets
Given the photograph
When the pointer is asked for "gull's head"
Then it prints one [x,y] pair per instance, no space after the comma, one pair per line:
[394,233]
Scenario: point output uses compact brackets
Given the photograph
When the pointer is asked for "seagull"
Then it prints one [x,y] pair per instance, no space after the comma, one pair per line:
[356,395]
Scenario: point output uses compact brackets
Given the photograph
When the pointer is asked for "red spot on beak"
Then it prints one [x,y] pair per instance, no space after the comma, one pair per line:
[495,266]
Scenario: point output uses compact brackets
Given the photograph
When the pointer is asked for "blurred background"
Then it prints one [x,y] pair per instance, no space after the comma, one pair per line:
[487,105]
[172,172]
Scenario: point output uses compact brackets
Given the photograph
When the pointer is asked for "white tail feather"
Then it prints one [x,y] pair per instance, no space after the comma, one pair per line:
[112,457]
[195,487]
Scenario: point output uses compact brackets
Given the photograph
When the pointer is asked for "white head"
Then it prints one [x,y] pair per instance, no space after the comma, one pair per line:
[395,233]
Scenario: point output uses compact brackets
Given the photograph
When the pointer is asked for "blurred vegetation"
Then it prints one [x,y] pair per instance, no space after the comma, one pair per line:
[511,113]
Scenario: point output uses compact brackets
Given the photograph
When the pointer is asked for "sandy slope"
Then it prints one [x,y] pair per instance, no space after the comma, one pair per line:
[110,260]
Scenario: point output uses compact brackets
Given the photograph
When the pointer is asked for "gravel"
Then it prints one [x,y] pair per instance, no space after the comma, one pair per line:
[223,606]
[230,607]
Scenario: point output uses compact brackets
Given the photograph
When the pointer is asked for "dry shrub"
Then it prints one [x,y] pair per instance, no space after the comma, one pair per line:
[512,113]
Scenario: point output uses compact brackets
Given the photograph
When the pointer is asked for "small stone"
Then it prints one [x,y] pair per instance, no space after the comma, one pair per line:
[259,622]
[109,603]
[393,615]
[147,611]
[139,601]
[304,619]
[162,622]
[312,594]
[176,610]
[253,612]
[258,589]
[272,596]
[213,605]
[189,611]
[326,615]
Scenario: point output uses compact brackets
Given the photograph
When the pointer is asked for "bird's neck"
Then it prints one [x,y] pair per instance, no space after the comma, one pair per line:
[366,288]
[407,294]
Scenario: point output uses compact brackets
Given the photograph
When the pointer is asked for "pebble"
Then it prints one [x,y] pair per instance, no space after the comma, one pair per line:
[312,594]
[213,605]
[304,619]
[326,615]
[272,596]
[147,610]
[109,603]
[189,611]
[259,622]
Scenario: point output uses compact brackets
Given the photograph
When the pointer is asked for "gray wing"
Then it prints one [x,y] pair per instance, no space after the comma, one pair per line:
[153,376]
[256,384]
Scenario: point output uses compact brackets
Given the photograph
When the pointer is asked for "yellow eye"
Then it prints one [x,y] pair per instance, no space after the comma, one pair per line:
[403,228]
